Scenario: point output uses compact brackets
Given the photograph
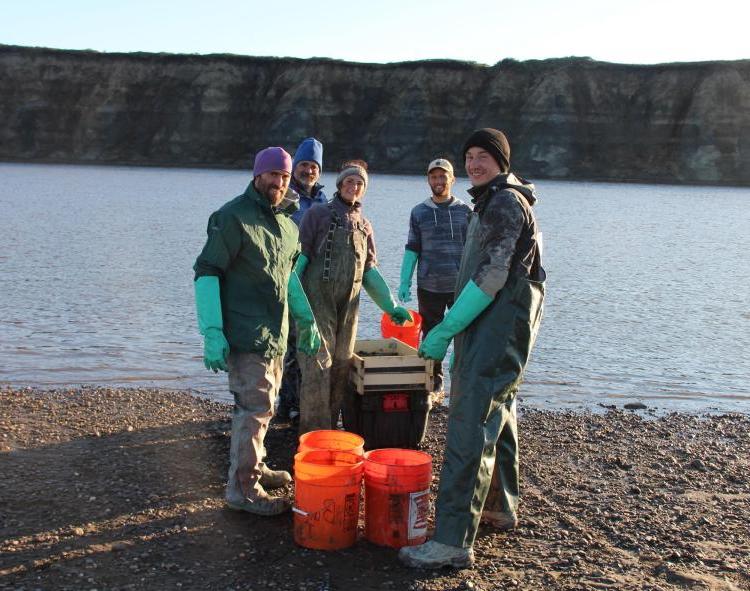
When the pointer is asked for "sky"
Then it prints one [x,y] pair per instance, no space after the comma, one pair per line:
[483,31]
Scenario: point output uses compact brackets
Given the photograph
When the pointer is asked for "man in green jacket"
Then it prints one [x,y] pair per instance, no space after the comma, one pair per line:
[495,319]
[244,284]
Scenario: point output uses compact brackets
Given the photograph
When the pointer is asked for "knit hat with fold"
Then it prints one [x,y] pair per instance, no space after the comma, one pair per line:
[492,140]
[351,171]
[310,150]
[270,159]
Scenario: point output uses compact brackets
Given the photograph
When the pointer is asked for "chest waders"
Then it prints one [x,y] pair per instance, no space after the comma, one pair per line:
[332,282]
[482,439]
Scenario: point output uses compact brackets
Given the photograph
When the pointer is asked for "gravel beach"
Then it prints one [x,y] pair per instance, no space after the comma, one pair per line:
[123,489]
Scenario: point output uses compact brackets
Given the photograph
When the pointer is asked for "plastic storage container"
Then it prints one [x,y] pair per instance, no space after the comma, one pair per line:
[393,419]
[397,496]
[390,394]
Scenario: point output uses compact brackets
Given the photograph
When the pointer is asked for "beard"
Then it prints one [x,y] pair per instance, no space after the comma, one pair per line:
[270,190]
[306,180]
[441,191]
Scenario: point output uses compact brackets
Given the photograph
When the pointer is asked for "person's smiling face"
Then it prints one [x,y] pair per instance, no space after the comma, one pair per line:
[480,166]
[352,188]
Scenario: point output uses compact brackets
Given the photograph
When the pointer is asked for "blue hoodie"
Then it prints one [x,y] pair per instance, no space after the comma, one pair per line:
[437,232]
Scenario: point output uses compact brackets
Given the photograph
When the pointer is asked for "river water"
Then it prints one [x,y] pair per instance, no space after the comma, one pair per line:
[648,294]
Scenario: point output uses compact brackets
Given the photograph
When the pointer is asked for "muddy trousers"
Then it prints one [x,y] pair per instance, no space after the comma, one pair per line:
[480,456]
[290,382]
[254,382]
[324,394]
[334,298]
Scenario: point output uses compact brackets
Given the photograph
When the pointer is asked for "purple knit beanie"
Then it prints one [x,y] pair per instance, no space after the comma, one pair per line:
[272,159]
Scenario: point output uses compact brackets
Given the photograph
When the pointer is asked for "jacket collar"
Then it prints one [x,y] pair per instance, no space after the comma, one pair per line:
[354,206]
[481,193]
[294,184]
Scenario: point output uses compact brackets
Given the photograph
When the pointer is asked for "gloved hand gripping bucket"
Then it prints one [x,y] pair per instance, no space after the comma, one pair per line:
[326,498]
[397,496]
[408,332]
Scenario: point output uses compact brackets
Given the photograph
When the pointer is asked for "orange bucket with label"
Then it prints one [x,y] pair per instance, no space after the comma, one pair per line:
[397,496]
[327,487]
[332,440]
[408,332]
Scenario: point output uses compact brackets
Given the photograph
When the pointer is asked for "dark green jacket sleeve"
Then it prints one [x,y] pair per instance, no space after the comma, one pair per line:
[222,245]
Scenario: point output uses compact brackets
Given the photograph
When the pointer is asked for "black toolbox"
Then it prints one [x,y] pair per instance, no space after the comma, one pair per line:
[390,394]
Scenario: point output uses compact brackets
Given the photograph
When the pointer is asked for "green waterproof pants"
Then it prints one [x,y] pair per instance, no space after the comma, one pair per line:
[335,304]
[503,493]
[490,358]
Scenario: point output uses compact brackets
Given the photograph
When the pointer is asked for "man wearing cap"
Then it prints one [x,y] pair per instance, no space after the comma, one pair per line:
[494,322]
[437,231]
[244,285]
[338,258]
[306,169]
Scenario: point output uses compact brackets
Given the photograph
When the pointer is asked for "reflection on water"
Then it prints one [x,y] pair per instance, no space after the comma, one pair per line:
[648,292]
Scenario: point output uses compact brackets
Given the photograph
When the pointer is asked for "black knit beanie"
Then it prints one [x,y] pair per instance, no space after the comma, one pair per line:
[492,140]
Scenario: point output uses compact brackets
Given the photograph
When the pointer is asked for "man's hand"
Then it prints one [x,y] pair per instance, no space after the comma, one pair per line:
[400,315]
[435,344]
[215,350]
[404,292]
[308,338]
[407,270]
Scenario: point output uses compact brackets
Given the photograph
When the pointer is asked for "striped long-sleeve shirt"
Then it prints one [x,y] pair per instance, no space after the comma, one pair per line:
[437,232]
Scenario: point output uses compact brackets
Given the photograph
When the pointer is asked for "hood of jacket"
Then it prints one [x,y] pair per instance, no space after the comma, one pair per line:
[454,202]
[503,181]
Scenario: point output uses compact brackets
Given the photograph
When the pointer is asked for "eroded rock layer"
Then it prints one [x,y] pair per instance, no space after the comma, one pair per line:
[566,118]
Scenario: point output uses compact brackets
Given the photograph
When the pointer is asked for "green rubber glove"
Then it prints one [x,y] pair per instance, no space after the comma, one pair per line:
[308,337]
[470,304]
[407,270]
[210,323]
[378,290]
[301,265]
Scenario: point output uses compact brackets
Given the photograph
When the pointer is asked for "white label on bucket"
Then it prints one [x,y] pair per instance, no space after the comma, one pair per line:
[419,511]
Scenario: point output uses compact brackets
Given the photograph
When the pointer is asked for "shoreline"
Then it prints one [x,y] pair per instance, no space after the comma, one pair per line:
[247,166]
[122,488]
[647,407]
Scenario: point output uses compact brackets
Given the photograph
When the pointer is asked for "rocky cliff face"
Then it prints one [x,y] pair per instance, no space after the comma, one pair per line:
[565,118]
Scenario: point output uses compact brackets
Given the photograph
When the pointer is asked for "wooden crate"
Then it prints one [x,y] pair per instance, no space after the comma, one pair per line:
[388,365]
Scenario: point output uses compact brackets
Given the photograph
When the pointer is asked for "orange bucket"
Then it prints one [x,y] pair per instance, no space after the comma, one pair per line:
[408,332]
[397,496]
[332,440]
[327,486]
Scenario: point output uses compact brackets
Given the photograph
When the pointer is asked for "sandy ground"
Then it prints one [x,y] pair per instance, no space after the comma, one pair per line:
[122,489]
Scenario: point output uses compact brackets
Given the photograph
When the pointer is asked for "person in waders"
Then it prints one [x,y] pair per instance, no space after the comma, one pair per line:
[494,322]
[306,168]
[338,258]
[244,285]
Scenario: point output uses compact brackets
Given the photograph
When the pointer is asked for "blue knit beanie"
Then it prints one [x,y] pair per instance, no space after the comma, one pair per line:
[310,150]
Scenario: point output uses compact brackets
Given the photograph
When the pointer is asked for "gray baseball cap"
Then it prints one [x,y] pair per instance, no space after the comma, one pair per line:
[440,163]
